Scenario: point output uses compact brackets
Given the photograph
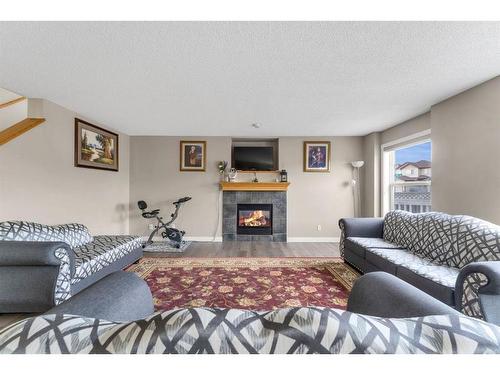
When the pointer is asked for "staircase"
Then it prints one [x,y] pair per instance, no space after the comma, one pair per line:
[14,119]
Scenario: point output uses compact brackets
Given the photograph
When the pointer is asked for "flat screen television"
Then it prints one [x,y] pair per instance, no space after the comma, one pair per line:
[253,158]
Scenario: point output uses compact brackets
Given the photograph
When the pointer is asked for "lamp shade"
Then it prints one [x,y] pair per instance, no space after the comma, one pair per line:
[358,163]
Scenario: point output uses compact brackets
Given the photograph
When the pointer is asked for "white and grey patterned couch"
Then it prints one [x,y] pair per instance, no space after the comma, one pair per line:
[453,258]
[385,315]
[227,331]
[42,266]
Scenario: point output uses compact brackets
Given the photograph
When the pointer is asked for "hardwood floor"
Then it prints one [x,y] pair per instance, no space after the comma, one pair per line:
[233,249]
[8,319]
[257,249]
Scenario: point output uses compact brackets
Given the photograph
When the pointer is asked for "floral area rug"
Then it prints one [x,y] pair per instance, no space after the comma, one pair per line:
[246,283]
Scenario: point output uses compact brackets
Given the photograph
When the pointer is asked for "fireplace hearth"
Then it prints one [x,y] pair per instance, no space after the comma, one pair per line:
[256,219]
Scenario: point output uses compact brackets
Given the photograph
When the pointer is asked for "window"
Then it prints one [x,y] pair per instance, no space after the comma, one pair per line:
[407,176]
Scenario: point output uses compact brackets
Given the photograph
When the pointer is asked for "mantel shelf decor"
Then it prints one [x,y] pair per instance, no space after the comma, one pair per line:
[254,186]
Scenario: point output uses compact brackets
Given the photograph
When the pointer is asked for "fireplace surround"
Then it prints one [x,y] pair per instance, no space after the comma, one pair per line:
[272,203]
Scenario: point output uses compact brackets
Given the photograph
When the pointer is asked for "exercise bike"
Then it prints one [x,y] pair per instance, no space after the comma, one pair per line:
[173,234]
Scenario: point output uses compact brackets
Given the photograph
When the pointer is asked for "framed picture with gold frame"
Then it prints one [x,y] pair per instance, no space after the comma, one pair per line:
[193,156]
[317,156]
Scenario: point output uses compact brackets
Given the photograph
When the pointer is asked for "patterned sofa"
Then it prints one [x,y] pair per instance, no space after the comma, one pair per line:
[42,266]
[227,331]
[385,315]
[453,258]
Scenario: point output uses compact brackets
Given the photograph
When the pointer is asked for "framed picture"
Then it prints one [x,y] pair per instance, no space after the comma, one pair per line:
[317,156]
[95,147]
[193,156]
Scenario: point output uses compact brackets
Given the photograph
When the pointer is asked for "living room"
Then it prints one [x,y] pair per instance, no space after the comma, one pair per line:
[250,187]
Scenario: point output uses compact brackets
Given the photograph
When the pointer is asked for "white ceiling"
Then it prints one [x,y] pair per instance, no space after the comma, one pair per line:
[217,78]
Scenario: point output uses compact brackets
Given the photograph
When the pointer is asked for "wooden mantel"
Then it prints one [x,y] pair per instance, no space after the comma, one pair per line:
[254,186]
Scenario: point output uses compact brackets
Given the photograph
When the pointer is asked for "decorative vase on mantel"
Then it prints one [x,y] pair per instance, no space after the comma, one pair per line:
[222,170]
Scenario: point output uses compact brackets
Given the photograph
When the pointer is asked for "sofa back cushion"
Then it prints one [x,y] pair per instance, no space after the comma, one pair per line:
[451,240]
[225,331]
[73,234]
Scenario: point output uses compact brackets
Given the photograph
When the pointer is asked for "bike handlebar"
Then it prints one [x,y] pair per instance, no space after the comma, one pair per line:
[182,200]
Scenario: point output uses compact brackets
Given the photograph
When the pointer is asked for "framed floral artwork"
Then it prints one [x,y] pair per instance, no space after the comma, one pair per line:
[193,156]
[95,147]
[316,156]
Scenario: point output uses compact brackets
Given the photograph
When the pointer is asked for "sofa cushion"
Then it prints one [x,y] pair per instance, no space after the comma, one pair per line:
[375,262]
[374,243]
[453,241]
[424,267]
[427,234]
[358,245]
[73,234]
[224,331]
[444,293]
[101,252]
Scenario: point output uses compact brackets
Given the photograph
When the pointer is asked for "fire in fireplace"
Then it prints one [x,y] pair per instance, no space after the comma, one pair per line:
[255,219]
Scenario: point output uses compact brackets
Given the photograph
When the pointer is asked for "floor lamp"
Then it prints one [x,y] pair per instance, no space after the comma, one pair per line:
[356,165]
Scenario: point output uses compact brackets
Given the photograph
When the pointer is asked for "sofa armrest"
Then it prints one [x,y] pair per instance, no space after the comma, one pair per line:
[27,263]
[372,227]
[477,291]
[120,297]
[33,253]
[384,295]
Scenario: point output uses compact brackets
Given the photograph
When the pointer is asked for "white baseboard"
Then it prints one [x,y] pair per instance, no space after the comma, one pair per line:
[314,239]
[290,239]
[203,238]
[191,238]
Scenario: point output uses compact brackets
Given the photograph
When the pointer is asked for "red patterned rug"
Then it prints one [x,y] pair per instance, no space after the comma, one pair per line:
[246,283]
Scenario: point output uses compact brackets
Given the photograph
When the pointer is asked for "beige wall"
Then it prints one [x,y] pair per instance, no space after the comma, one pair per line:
[408,128]
[7,96]
[13,114]
[319,198]
[370,202]
[313,198]
[39,182]
[372,189]
[465,134]
[156,179]
[466,153]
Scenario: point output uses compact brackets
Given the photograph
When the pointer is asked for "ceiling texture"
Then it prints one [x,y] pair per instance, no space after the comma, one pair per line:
[218,78]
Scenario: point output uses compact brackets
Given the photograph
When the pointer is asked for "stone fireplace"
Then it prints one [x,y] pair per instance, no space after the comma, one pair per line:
[254,216]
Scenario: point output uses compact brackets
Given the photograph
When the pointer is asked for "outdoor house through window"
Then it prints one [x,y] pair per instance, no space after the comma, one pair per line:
[408,176]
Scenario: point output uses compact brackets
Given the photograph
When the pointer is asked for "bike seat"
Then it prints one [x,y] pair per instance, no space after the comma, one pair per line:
[182,200]
[150,214]
[142,205]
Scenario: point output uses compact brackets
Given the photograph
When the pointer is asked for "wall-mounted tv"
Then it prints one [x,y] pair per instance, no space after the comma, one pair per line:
[247,158]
